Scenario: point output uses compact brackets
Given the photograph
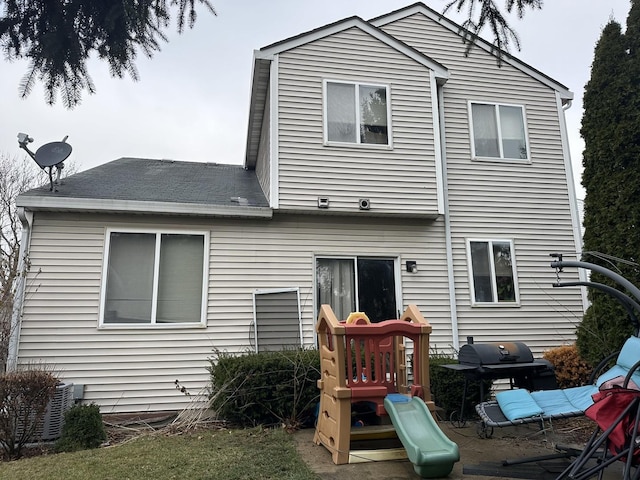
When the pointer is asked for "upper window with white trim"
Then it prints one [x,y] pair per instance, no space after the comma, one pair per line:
[493,272]
[154,278]
[357,113]
[498,131]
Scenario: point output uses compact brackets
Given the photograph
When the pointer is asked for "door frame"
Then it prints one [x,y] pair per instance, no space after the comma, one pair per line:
[397,277]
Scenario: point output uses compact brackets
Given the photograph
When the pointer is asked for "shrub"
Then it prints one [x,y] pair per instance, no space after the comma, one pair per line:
[447,387]
[266,388]
[570,368]
[24,396]
[82,429]
[603,330]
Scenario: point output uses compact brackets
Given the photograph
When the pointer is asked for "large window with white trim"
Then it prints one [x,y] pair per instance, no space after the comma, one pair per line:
[154,278]
[493,272]
[357,113]
[498,131]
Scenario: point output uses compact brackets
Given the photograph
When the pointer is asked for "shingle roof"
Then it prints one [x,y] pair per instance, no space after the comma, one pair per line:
[130,181]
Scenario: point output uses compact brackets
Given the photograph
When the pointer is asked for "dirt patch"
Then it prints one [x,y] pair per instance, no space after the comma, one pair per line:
[576,430]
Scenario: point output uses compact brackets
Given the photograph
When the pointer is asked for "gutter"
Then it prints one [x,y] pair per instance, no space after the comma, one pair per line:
[140,207]
[26,218]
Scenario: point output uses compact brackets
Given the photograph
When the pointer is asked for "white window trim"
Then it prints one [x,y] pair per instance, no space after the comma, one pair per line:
[357,144]
[472,290]
[501,158]
[161,326]
[269,291]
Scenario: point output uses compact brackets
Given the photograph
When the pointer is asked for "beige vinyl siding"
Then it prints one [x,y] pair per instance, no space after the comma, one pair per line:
[525,202]
[134,369]
[399,180]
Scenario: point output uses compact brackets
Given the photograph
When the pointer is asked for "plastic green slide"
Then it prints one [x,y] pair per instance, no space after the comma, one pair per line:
[428,448]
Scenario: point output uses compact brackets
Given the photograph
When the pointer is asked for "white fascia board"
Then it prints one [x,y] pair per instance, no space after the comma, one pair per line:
[140,207]
[257,65]
[565,94]
[262,55]
[274,130]
[442,74]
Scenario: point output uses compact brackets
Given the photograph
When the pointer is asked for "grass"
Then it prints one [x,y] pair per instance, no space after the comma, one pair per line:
[206,454]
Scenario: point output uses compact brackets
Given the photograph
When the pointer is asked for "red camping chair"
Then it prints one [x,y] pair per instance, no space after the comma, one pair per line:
[616,411]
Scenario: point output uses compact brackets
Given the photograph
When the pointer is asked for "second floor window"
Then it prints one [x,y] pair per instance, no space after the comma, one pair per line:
[492,271]
[356,113]
[498,131]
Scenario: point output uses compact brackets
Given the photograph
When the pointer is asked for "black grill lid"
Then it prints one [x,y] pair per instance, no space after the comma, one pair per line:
[494,353]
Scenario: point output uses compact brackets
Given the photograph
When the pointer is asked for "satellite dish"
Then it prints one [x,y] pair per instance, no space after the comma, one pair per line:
[52,154]
[48,155]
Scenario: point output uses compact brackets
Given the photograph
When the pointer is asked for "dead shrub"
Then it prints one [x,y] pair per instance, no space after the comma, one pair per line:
[571,370]
[24,396]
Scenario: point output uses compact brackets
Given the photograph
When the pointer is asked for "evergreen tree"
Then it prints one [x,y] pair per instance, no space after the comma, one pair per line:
[489,13]
[59,36]
[611,178]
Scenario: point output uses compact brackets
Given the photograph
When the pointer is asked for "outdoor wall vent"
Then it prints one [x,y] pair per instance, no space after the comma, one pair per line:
[364,204]
[50,428]
[323,202]
[54,416]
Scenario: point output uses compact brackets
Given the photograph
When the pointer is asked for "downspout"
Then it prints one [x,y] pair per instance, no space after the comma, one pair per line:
[447,224]
[576,221]
[26,219]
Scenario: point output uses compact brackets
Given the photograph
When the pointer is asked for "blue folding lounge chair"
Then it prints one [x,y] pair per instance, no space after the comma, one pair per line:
[517,407]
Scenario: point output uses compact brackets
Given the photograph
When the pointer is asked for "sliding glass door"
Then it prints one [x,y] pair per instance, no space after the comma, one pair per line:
[357,284]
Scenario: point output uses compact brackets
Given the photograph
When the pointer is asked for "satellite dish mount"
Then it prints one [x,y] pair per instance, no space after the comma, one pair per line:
[49,155]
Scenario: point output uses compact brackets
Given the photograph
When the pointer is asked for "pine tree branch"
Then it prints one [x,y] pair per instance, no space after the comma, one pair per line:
[491,16]
[59,37]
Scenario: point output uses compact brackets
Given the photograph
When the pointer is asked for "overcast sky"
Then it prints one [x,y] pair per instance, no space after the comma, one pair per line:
[191,102]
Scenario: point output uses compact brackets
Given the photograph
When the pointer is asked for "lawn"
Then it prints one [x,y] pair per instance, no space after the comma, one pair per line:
[205,454]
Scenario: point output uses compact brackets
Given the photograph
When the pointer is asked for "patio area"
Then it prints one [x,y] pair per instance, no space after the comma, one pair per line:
[480,458]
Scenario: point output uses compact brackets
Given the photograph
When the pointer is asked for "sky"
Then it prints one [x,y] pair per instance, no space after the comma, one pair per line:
[191,102]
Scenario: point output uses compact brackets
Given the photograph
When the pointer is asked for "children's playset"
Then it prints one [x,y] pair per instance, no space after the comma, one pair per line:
[374,384]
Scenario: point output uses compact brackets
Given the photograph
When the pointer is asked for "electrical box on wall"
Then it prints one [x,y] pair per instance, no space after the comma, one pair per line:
[364,204]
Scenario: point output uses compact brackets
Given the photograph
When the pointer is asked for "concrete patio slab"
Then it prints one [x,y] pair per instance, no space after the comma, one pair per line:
[480,458]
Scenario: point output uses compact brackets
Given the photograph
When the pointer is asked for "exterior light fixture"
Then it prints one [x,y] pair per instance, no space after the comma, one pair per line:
[412,266]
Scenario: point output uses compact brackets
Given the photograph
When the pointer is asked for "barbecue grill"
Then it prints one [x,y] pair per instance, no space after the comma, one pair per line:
[504,360]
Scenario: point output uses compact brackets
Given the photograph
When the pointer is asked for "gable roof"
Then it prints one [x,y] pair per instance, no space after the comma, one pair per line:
[419,7]
[264,56]
[164,187]
[354,22]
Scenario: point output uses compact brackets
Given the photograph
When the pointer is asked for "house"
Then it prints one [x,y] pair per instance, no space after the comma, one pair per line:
[383,168]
